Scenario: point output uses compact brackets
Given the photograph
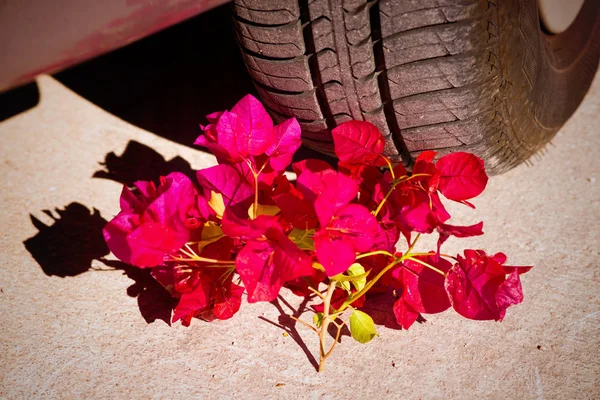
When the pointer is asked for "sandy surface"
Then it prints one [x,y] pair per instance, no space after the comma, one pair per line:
[69,332]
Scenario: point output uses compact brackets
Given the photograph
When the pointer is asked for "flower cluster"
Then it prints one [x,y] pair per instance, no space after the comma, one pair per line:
[246,227]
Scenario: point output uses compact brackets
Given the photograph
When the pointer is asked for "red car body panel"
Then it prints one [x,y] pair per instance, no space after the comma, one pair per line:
[44,36]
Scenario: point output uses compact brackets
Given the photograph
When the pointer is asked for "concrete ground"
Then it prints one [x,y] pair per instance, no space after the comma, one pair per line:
[75,327]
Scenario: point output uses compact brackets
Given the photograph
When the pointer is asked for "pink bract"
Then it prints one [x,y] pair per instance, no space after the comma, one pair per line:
[154,221]
[358,143]
[479,287]
[422,290]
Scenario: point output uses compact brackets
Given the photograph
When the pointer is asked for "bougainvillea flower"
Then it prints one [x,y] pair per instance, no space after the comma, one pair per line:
[294,207]
[367,177]
[227,299]
[228,182]
[154,221]
[416,210]
[462,176]
[358,143]
[386,238]
[211,298]
[422,289]
[312,176]
[268,259]
[210,138]
[204,290]
[479,288]
[334,191]
[246,227]
[256,133]
[286,139]
[350,230]
[246,130]
[324,189]
[194,301]
[311,165]
[446,230]
[430,174]
[266,175]
[345,228]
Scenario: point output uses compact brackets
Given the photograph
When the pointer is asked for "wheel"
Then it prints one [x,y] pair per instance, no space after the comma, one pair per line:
[481,76]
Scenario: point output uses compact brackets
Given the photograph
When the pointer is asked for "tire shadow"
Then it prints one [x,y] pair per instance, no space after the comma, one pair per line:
[18,100]
[167,83]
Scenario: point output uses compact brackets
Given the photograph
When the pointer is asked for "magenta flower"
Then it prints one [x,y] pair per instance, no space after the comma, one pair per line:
[154,221]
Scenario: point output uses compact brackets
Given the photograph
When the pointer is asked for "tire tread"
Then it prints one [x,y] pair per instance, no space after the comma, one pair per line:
[427,73]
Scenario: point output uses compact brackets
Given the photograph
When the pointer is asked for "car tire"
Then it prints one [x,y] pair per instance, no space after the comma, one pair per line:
[448,75]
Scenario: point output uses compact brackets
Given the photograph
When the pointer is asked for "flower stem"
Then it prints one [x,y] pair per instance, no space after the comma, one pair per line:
[255,175]
[432,254]
[387,195]
[423,263]
[390,166]
[374,253]
[370,284]
[255,205]
[395,183]
[200,259]
[412,246]
[325,325]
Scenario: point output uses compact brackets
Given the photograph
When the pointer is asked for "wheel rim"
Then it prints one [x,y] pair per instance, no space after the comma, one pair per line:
[557,15]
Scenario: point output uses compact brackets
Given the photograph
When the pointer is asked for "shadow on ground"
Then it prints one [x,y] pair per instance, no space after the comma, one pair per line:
[69,245]
[141,163]
[287,323]
[18,100]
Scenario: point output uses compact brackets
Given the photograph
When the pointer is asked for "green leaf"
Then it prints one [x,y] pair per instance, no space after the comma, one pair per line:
[318,319]
[360,277]
[263,210]
[359,271]
[211,232]
[344,285]
[318,266]
[216,203]
[303,239]
[362,327]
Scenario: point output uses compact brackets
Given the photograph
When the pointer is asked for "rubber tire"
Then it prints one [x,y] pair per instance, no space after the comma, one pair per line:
[449,75]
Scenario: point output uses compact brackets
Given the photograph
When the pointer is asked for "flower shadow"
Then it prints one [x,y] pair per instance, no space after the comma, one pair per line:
[288,324]
[69,245]
[379,307]
[140,163]
[154,301]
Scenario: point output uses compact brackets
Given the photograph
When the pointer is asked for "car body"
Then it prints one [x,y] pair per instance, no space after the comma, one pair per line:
[42,36]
